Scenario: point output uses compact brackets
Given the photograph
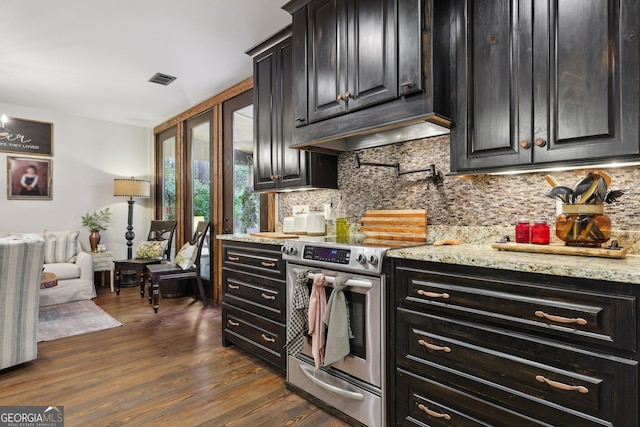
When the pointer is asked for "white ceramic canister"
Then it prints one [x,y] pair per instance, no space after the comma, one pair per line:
[288,225]
[300,223]
[316,223]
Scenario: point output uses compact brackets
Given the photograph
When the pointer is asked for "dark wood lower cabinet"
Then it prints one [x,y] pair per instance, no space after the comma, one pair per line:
[478,346]
[253,300]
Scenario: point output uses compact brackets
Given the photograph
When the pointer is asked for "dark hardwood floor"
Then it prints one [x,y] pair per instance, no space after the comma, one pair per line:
[157,369]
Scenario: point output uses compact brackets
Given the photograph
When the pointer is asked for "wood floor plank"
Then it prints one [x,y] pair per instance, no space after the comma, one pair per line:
[157,369]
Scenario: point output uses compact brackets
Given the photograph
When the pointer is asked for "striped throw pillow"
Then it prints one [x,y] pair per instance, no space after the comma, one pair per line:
[61,246]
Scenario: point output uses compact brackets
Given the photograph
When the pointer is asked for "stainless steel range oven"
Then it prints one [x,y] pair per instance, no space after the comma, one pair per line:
[355,385]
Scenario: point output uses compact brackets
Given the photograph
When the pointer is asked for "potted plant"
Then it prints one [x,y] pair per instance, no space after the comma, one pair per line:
[96,222]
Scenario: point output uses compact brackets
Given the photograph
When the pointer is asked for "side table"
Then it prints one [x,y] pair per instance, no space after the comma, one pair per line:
[103,261]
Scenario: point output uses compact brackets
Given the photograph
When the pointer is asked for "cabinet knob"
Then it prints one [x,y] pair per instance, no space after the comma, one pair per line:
[300,119]
[407,84]
[348,95]
[340,97]
[525,143]
[540,142]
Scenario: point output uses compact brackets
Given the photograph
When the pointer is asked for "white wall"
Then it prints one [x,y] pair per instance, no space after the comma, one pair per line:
[87,155]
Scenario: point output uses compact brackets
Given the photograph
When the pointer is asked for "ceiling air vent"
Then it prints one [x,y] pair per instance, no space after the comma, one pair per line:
[162,79]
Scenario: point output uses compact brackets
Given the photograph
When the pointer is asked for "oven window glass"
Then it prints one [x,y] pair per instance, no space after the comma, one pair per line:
[357,312]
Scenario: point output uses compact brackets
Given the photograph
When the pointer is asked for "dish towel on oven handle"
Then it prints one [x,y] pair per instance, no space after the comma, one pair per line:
[317,307]
[299,321]
[338,323]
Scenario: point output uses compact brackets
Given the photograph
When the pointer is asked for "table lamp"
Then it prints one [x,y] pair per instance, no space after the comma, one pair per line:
[131,187]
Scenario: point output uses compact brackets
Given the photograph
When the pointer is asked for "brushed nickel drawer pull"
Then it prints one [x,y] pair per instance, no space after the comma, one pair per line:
[433,413]
[233,258]
[560,319]
[434,347]
[268,339]
[268,264]
[232,323]
[562,386]
[265,296]
[432,294]
[230,286]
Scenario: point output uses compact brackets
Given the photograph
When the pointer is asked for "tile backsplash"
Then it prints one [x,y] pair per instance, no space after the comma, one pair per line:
[480,200]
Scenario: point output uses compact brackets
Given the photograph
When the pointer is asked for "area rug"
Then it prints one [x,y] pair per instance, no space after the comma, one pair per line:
[72,318]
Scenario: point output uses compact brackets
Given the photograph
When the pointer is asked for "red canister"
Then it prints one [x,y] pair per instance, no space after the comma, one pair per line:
[540,234]
[523,231]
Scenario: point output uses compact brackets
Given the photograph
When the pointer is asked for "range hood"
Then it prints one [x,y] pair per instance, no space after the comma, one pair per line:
[409,94]
[376,136]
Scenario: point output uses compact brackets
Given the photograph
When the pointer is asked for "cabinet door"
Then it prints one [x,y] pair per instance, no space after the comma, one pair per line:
[292,167]
[586,72]
[372,47]
[327,55]
[265,163]
[494,84]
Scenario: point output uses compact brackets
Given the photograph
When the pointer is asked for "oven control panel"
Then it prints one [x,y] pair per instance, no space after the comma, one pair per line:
[351,258]
[324,254]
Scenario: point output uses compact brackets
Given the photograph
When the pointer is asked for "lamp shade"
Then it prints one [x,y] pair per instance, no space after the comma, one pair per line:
[131,187]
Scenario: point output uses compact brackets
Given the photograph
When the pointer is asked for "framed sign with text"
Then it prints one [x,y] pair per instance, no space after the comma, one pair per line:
[28,137]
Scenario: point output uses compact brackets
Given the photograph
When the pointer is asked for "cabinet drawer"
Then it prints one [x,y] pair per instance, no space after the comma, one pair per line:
[421,401]
[257,335]
[254,258]
[259,295]
[559,312]
[540,377]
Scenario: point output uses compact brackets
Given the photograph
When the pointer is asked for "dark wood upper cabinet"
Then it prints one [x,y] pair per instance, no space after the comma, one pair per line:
[545,82]
[276,165]
[352,55]
[362,66]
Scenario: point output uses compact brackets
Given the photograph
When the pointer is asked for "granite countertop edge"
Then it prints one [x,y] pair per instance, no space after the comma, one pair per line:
[626,270]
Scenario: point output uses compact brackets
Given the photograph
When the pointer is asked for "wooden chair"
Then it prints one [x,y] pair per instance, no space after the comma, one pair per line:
[171,271]
[159,231]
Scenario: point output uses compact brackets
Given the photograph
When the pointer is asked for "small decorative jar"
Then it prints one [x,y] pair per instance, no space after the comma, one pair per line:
[523,231]
[540,233]
[583,225]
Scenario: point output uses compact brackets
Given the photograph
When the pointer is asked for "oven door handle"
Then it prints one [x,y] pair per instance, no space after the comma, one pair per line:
[308,372]
[352,283]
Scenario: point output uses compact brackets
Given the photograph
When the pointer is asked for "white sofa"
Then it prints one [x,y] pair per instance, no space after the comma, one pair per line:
[20,271]
[75,278]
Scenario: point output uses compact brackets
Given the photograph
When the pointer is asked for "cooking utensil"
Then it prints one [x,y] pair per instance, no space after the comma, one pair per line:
[552,181]
[583,185]
[562,193]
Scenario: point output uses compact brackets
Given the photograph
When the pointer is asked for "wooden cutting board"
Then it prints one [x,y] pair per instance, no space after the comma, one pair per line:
[561,250]
[274,235]
[399,224]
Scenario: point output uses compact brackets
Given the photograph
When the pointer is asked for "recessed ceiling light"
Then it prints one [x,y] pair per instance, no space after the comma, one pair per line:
[162,79]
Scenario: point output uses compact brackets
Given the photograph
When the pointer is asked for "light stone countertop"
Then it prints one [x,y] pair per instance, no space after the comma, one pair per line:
[626,270]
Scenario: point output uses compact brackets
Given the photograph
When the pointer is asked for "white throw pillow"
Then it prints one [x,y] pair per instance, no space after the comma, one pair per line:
[61,246]
[186,257]
[151,249]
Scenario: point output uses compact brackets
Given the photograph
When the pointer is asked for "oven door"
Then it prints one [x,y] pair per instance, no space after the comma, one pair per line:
[365,299]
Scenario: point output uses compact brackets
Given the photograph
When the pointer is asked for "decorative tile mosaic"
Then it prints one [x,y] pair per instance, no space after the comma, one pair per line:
[480,200]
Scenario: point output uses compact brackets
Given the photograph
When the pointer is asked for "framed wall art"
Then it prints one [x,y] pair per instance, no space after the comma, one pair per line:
[28,137]
[29,178]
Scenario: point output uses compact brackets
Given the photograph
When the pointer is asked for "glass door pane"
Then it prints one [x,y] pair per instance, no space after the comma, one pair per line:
[246,203]
[167,142]
[199,137]
[241,206]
